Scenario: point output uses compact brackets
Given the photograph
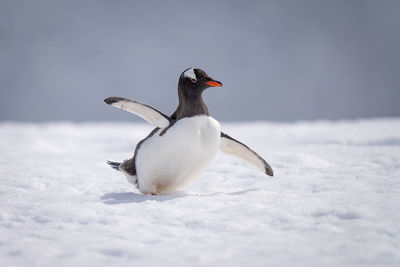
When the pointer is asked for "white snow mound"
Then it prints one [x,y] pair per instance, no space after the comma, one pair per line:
[334,199]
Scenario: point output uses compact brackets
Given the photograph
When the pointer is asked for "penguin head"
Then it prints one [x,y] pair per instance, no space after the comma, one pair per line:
[194,81]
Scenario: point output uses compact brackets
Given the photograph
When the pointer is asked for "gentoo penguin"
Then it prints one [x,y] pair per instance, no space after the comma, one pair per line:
[182,145]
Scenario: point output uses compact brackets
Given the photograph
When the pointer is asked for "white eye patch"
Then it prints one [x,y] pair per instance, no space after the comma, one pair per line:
[190,74]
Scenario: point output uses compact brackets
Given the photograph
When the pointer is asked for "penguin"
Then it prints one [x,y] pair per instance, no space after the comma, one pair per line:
[182,145]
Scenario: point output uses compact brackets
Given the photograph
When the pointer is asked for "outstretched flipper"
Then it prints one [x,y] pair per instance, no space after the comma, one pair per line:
[234,147]
[144,111]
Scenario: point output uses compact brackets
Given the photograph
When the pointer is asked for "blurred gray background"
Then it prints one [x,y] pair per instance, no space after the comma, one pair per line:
[278,60]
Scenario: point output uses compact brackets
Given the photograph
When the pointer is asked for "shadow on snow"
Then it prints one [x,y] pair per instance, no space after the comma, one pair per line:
[131,197]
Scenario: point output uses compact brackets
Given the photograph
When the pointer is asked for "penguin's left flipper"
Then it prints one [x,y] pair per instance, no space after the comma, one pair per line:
[234,147]
[144,111]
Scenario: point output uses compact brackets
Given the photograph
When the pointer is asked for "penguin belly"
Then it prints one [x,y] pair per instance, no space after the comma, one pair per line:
[176,158]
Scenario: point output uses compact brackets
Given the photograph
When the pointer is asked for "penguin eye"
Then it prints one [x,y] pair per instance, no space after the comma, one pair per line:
[193,80]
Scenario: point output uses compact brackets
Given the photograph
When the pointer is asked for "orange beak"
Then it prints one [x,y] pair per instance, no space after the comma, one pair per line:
[214,83]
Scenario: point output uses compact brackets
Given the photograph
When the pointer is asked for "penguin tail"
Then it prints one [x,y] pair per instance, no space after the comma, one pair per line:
[114,165]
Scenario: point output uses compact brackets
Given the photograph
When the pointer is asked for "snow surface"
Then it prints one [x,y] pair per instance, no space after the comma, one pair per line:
[334,200]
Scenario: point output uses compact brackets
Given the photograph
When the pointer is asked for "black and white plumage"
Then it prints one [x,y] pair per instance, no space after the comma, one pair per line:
[182,146]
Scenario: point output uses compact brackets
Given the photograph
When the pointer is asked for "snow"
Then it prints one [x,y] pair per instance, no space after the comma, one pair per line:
[334,199]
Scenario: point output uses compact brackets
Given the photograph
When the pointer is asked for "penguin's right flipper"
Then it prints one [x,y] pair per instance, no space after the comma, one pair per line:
[234,147]
[144,111]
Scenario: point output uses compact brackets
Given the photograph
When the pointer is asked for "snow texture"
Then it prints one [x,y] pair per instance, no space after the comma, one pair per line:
[334,199]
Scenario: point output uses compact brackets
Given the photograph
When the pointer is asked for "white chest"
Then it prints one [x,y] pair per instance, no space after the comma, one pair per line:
[171,161]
